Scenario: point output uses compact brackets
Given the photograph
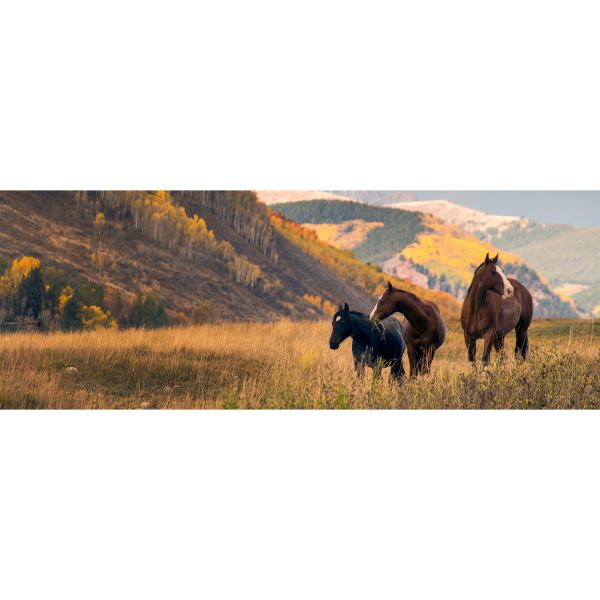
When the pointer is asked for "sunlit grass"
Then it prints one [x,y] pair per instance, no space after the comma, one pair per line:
[285,365]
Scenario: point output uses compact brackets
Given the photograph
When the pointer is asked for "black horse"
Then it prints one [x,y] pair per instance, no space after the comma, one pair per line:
[374,346]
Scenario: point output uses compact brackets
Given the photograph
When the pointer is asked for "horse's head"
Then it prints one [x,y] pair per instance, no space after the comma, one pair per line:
[385,306]
[492,277]
[342,327]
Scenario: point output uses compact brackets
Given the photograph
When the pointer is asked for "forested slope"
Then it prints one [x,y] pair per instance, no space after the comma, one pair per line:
[195,256]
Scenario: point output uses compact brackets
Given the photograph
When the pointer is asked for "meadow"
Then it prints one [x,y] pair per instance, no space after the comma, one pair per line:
[285,365]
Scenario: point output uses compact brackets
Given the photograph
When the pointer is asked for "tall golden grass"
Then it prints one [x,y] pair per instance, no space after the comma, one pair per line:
[285,365]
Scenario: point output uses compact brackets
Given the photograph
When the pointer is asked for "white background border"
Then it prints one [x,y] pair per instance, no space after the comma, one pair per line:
[311,95]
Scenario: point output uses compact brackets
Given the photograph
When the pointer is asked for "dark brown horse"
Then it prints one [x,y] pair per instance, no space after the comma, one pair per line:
[495,305]
[424,328]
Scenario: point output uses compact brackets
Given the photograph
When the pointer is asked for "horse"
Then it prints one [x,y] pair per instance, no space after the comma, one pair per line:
[372,346]
[424,329]
[493,306]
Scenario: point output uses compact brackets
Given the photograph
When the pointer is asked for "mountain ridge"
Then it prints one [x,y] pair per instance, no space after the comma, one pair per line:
[566,254]
[471,220]
[422,247]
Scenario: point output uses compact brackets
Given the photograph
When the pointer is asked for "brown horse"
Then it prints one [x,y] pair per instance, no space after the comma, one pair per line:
[495,305]
[424,328]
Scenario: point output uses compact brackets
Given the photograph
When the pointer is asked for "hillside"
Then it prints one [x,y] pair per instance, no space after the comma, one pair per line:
[205,255]
[567,255]
[380,244]
[419,247]
[366,275]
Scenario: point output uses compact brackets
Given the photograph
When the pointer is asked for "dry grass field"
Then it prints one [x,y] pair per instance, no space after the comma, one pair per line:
[285,365]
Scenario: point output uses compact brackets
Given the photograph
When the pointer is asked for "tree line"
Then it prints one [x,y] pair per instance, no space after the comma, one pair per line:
[400,228]
[44,298]
[242,211]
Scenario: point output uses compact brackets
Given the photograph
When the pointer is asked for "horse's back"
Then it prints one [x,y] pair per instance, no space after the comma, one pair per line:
[391,342]
[385,343]
[442,331]
[433,305]
[393,331]
[440,326]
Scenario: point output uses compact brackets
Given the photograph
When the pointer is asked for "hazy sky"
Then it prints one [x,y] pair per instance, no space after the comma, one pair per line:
[575,208]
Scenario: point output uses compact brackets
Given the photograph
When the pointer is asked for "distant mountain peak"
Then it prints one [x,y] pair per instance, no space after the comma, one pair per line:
[469,219]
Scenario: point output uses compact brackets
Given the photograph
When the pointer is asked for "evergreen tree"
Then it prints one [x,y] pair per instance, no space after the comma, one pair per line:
[136,316]
[31,294]
[118,311]
[90,294]
[148,312]
[155,312]
[71,316]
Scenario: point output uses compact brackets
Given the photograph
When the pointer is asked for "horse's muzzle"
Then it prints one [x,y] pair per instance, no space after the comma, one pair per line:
[509,292]
[334,345]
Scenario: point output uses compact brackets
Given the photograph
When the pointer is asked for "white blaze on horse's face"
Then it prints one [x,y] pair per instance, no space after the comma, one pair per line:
[509,290]
[372,315]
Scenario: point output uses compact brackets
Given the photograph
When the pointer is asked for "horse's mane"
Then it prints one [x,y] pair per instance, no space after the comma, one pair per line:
[354,313]
[414,296]
[357,313]
[475,277]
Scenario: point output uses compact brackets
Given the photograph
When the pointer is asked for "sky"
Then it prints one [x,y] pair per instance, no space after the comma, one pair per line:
[581,208]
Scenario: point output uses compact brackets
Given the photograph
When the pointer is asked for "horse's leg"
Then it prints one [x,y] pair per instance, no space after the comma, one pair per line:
[418,362]
[431,357]
[377,368]
[522,347]
[428,355]
[499,345]
[397,372]
[471,347]
[359,366]
[488,342]
[421,363]
[412,361]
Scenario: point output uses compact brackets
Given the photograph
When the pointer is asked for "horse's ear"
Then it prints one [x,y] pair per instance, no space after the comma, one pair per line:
[487,258]
[340,308]
[495,259]
[390,287]
[346,308]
